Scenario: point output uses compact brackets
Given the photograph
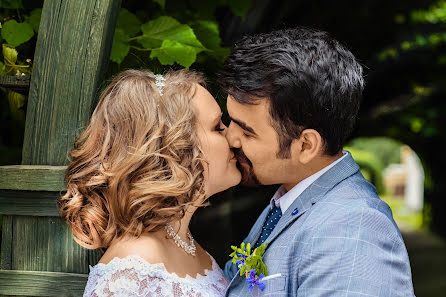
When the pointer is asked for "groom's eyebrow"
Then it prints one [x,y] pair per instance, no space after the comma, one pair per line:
[243,125]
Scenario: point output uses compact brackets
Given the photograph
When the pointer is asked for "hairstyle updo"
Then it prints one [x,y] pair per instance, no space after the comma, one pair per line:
[138,164]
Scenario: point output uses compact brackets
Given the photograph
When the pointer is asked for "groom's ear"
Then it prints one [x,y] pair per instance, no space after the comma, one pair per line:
[307,147]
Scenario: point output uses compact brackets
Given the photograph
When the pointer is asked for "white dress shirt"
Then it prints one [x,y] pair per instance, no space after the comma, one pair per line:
[284,199]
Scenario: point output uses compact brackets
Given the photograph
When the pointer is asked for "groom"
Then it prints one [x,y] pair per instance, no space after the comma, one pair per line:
[293,98]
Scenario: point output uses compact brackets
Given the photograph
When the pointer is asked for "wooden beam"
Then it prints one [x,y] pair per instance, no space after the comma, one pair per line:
[32,178]
[23,203]
[15,83]
[71,57]
[36,283]
[6,242]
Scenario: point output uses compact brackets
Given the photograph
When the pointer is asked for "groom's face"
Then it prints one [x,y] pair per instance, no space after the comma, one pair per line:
[255,144]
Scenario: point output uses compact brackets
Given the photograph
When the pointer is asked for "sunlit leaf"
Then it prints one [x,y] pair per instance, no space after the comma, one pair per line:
[9,54]
[167,28]
[173,51]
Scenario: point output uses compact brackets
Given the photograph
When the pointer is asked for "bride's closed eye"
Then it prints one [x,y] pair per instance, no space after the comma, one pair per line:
[219,127]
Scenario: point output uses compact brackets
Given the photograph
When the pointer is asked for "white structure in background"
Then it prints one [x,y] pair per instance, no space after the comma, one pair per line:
[414,190]
[406,180]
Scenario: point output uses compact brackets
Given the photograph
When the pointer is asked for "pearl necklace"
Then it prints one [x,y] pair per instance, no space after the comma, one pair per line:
[188,248]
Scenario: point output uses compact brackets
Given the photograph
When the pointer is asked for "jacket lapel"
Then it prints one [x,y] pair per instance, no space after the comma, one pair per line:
[256,230]
[316,191]
[252,239]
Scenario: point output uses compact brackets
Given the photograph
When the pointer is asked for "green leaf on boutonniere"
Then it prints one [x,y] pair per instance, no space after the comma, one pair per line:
[246,261]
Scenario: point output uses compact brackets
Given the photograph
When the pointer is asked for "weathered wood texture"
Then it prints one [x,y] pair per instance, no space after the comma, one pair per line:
[32,177]
[71,56]
[72,53]
[6,242]
[26,203]
[33,283]
[52,246]
[18,84]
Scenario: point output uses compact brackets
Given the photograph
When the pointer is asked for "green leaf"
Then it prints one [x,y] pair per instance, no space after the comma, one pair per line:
[173,51]
[209,35]
[9,54]
[166,28]
[12,4]
[128,22]
[2,68]
[162,3]
[16,102]
[240,7]
[120,47]
[34,19]
[17,33]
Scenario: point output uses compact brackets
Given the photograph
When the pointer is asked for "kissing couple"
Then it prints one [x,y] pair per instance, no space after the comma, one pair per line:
[156,150]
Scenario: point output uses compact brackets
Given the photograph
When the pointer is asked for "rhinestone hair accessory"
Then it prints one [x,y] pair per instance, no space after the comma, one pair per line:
[160,83]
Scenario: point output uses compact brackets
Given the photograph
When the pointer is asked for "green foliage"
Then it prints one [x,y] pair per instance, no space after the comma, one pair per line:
[162,3]
[16,105]
[174,37]
[17,33]
[435,14]
[11,4]
[34,18]
[128,23]
[370,164]
[11,66]
[387,150]
[120,47]
[250,261]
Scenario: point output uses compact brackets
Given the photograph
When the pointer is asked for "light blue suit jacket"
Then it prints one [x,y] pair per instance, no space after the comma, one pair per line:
[336,239]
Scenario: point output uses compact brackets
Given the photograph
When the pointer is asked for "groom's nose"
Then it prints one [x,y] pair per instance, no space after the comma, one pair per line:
[232,136]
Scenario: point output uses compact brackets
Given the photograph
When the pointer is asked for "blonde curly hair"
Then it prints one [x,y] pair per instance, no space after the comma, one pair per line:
[138,164]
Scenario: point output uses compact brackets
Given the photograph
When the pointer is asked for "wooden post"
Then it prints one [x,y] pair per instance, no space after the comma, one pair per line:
[38,256]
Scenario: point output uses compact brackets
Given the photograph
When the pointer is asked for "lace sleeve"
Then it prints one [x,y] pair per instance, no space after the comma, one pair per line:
[133,277]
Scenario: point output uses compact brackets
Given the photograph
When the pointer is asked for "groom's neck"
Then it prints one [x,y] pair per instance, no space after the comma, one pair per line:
[314,166]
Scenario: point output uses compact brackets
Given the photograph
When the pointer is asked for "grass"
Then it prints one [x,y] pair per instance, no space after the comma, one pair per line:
[402,215]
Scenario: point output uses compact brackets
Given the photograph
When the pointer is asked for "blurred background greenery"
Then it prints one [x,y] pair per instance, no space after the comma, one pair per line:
[400,43]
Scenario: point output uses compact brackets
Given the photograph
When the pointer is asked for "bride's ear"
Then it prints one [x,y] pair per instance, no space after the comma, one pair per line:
[306,147]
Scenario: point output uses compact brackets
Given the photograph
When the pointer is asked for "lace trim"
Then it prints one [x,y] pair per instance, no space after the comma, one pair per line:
[134,276]
[155,270]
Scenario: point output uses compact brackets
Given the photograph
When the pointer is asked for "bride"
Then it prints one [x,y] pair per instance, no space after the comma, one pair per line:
[154,151]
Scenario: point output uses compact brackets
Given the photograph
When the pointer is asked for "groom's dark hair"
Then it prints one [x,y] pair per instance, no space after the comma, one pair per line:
[310,79]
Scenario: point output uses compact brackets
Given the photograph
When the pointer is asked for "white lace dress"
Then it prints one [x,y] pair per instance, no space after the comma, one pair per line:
[133,276]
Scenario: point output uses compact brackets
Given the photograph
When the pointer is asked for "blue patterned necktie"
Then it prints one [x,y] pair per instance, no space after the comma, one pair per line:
[271,221]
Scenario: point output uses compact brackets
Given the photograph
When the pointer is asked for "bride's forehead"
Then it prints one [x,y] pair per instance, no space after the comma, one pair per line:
[205,105]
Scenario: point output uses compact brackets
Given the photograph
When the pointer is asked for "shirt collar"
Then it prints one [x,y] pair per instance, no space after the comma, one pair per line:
[284,199]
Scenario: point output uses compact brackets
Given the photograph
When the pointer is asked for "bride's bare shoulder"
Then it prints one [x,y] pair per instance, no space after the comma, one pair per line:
[148,246]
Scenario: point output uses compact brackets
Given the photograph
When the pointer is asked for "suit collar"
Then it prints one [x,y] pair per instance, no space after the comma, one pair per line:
[316,191]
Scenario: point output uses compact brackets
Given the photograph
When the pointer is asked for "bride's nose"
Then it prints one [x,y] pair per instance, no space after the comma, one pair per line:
[232,136]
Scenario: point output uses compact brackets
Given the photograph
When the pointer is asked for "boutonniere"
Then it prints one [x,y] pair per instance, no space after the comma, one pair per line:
[251,264]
